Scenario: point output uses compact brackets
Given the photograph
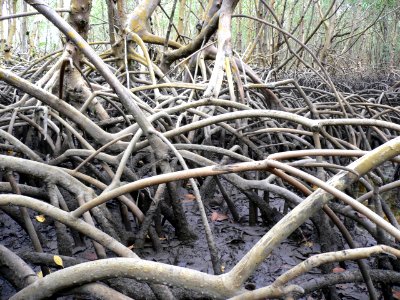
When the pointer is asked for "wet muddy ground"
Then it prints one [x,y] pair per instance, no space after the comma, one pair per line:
[233,241]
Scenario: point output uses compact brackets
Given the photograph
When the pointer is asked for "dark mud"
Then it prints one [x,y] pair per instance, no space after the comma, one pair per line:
[233,241]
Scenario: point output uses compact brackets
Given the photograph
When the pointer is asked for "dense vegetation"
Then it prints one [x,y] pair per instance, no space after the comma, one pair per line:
[144,142]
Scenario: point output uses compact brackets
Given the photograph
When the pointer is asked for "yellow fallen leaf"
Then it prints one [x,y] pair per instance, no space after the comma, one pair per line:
[40,218]
[40,274]
[308,244]
[58,260]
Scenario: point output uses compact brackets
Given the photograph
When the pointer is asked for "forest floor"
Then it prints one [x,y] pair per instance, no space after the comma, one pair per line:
[233,241]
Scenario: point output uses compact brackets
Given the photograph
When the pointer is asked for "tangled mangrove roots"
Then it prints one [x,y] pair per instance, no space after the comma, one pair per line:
[102,153]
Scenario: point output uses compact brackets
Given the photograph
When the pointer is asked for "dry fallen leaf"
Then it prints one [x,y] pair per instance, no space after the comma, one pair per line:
[89,255]
[188,198]
[396,294]
[338,270]
[360,215]
[216,216]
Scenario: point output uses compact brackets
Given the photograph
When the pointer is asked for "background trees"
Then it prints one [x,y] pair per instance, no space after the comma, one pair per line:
[115,115]
[345,31]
